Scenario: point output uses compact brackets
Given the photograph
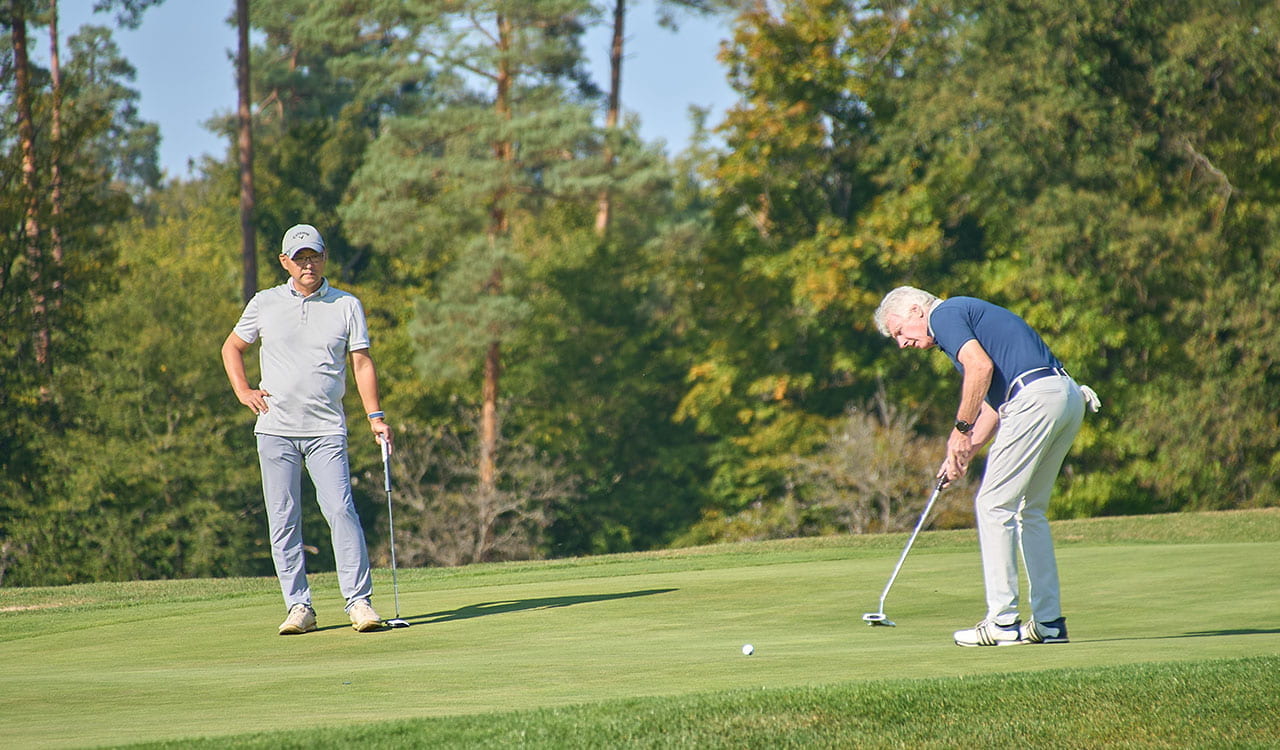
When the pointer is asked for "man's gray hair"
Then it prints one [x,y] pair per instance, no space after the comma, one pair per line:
[898,302]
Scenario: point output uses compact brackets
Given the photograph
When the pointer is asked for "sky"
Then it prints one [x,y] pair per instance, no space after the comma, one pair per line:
[186,75]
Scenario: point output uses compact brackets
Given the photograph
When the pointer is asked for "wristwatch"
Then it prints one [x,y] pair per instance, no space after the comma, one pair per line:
[963,426]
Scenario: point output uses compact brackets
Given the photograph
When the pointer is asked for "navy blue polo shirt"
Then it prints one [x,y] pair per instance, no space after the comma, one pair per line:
[1014,347]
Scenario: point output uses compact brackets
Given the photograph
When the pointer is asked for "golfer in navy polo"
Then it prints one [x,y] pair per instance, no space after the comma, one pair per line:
[308,329]
[1016,394]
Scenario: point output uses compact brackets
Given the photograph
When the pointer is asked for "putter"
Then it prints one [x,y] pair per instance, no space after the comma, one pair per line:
[391,525]
[878,617]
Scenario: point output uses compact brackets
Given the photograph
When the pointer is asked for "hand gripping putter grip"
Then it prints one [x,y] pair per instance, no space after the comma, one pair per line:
[878,618]
[391,528]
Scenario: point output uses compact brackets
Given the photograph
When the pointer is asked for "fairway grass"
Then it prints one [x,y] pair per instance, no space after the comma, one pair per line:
[1219,703]
[1175,625]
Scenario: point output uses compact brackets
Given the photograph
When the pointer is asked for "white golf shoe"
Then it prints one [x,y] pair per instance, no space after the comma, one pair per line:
[990,633]
[301,619]
[363,618]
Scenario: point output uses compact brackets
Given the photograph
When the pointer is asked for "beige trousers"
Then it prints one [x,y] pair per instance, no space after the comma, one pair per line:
[1036,430]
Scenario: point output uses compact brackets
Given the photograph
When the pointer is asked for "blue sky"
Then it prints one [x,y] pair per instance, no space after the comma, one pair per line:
[185,75]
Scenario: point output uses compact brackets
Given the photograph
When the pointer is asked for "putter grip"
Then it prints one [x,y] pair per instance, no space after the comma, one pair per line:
[386,465]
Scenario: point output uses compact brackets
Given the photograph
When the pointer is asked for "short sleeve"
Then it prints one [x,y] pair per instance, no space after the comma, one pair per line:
[951,329]
[247,328]
[357,327]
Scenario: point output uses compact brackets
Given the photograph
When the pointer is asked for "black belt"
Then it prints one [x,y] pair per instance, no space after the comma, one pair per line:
[1031,376]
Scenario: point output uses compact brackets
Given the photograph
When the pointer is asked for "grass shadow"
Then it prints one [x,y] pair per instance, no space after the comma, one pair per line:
[508,606]
[1231,631]
[1195,634]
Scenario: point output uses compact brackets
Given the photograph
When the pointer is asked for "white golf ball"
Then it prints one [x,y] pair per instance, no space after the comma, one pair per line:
[748,650]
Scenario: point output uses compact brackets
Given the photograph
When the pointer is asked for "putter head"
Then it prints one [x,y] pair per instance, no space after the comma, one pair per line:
[875,619]
[397,623]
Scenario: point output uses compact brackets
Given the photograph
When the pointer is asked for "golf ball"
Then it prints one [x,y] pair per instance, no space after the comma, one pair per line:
[748,650]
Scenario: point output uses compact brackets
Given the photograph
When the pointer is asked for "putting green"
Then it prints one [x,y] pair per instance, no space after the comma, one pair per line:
[116,663]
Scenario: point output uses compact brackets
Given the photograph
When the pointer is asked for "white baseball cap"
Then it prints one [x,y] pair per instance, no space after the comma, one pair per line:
[301,237]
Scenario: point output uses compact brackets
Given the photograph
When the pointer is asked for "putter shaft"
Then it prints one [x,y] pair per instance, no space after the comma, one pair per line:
[878,618]
[391,530]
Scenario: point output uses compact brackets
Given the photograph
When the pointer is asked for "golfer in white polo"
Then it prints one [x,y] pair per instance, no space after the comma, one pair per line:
[308,329]
[1015,391]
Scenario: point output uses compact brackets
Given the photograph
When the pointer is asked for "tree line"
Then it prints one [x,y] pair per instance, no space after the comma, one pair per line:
[589,345]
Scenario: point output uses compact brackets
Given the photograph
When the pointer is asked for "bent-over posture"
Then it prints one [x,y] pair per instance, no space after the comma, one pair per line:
[1016,394]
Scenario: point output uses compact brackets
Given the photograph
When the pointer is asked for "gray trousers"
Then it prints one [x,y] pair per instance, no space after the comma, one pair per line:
[1036,430]
[325,458]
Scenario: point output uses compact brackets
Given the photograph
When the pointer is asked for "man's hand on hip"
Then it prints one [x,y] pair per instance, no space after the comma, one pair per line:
[255,400]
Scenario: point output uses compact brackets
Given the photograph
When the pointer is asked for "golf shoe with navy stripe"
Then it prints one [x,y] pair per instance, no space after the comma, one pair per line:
[990,633]
[1053,631]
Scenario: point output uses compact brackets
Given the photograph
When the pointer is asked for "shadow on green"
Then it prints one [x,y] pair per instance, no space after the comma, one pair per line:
[521,605]
[1196,634]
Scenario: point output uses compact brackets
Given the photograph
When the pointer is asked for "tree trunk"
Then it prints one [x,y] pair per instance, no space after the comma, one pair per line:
[604,210]
[498,227]
[31,220]
[489,424]
[55,140]
[248,244]
[502,149]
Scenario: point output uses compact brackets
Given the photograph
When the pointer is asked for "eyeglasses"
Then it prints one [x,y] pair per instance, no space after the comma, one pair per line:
[309,260]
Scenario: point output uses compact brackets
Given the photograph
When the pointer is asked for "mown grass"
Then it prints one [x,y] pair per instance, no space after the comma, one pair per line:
[1175,625]
[1221,703]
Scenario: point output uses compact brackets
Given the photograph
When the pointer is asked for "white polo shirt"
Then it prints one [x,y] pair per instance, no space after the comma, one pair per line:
[305,343]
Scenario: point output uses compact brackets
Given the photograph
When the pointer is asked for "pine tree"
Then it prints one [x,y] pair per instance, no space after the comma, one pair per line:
[497,133]
[99,139]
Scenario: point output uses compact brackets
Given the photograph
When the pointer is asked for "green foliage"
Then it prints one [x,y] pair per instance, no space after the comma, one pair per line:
[499,242]
[20,380]
[1110,173]
[791,273]
[595,376]
[437,175]
[868,477]
[1093,151]
[1094,169]
[445,188]
[105,157]
[101,125]
[152,476]
[315,117]
[128,12]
